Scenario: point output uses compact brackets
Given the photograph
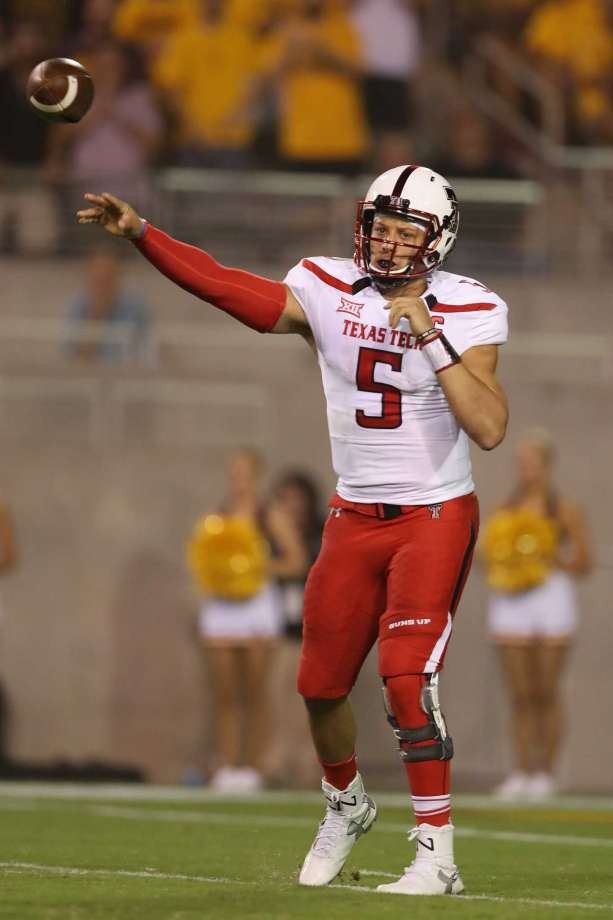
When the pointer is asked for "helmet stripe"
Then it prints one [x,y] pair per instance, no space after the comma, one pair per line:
[400,181]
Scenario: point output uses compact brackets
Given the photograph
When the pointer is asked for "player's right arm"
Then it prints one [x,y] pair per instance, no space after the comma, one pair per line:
[268,306]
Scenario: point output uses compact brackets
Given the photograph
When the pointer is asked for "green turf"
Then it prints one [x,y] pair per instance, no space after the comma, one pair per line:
[242,859]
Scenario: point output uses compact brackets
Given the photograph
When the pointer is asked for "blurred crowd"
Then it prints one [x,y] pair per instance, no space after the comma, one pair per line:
[319,85]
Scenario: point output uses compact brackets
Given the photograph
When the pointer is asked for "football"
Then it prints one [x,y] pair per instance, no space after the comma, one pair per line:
[60,90]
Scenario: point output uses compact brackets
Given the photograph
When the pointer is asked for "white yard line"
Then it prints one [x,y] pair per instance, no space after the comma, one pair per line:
[20,868]
[533,902]
[387,827]
[529,837]
[146,793]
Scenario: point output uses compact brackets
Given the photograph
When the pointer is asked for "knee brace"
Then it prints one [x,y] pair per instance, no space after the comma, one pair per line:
[409,699]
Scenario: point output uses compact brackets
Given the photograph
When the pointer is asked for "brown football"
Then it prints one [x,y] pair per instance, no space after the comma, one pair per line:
[60,90]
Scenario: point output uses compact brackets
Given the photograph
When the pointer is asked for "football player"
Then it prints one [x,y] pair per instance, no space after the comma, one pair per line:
[408,357]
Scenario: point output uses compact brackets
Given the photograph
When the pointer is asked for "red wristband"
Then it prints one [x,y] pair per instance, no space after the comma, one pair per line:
[255,301]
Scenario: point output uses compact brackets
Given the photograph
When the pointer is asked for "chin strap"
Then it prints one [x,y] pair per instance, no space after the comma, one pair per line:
[388,284]
[255,301]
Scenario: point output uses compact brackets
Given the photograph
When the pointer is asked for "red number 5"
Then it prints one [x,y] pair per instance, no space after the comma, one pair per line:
[391,397]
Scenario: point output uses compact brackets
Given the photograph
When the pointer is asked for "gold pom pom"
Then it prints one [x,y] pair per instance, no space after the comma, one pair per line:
[519,547]
[228,556]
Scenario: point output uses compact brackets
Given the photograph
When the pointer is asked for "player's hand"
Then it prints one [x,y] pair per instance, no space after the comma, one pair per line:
[116,216]
[412,308]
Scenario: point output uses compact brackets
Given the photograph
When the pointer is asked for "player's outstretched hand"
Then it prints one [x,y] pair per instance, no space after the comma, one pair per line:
[116,216]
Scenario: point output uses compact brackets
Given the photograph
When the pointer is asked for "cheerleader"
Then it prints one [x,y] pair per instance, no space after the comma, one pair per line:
[236,556]
[535,546]
[297,493]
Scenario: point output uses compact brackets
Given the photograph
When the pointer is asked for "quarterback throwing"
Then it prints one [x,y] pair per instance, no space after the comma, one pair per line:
[408,357]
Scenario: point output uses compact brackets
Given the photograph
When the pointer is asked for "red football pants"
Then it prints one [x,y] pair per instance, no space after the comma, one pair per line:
[397,580]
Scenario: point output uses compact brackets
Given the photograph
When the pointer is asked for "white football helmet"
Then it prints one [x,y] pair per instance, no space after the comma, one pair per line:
[422,197]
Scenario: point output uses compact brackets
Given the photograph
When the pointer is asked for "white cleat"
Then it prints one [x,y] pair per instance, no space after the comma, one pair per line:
[236,780]
[514,788]
[433,870]
[349,814]
[540,787]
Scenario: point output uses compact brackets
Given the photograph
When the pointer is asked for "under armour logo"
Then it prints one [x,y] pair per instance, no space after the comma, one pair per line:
[336,512]
[435,511]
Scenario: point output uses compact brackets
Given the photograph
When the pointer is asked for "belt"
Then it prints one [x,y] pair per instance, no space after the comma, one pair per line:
[379,510]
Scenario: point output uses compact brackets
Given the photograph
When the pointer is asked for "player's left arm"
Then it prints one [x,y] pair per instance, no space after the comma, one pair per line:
[469,382]
[475,396]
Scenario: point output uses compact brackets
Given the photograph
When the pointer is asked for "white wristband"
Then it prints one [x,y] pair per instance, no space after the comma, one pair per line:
[440,353]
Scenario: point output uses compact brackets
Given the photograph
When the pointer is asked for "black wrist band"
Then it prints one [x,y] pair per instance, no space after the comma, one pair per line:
[425,335]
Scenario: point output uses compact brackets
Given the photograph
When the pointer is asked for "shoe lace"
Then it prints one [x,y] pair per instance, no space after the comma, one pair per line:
[331,828]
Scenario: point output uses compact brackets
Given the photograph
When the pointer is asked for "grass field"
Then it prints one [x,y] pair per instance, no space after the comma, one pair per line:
[140,854]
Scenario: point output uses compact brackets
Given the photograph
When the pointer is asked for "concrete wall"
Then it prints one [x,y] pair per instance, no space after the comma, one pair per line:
[105,472]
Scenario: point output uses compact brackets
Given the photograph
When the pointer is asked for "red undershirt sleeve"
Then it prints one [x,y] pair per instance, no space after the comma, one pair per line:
[255,301]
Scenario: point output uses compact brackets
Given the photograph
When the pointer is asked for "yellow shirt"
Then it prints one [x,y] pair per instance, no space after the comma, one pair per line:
[208,68]
[322,116]
[142,20]
[252,14]
[574,33]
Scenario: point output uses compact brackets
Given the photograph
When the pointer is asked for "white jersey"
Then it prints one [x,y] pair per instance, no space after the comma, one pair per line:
[394,438]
